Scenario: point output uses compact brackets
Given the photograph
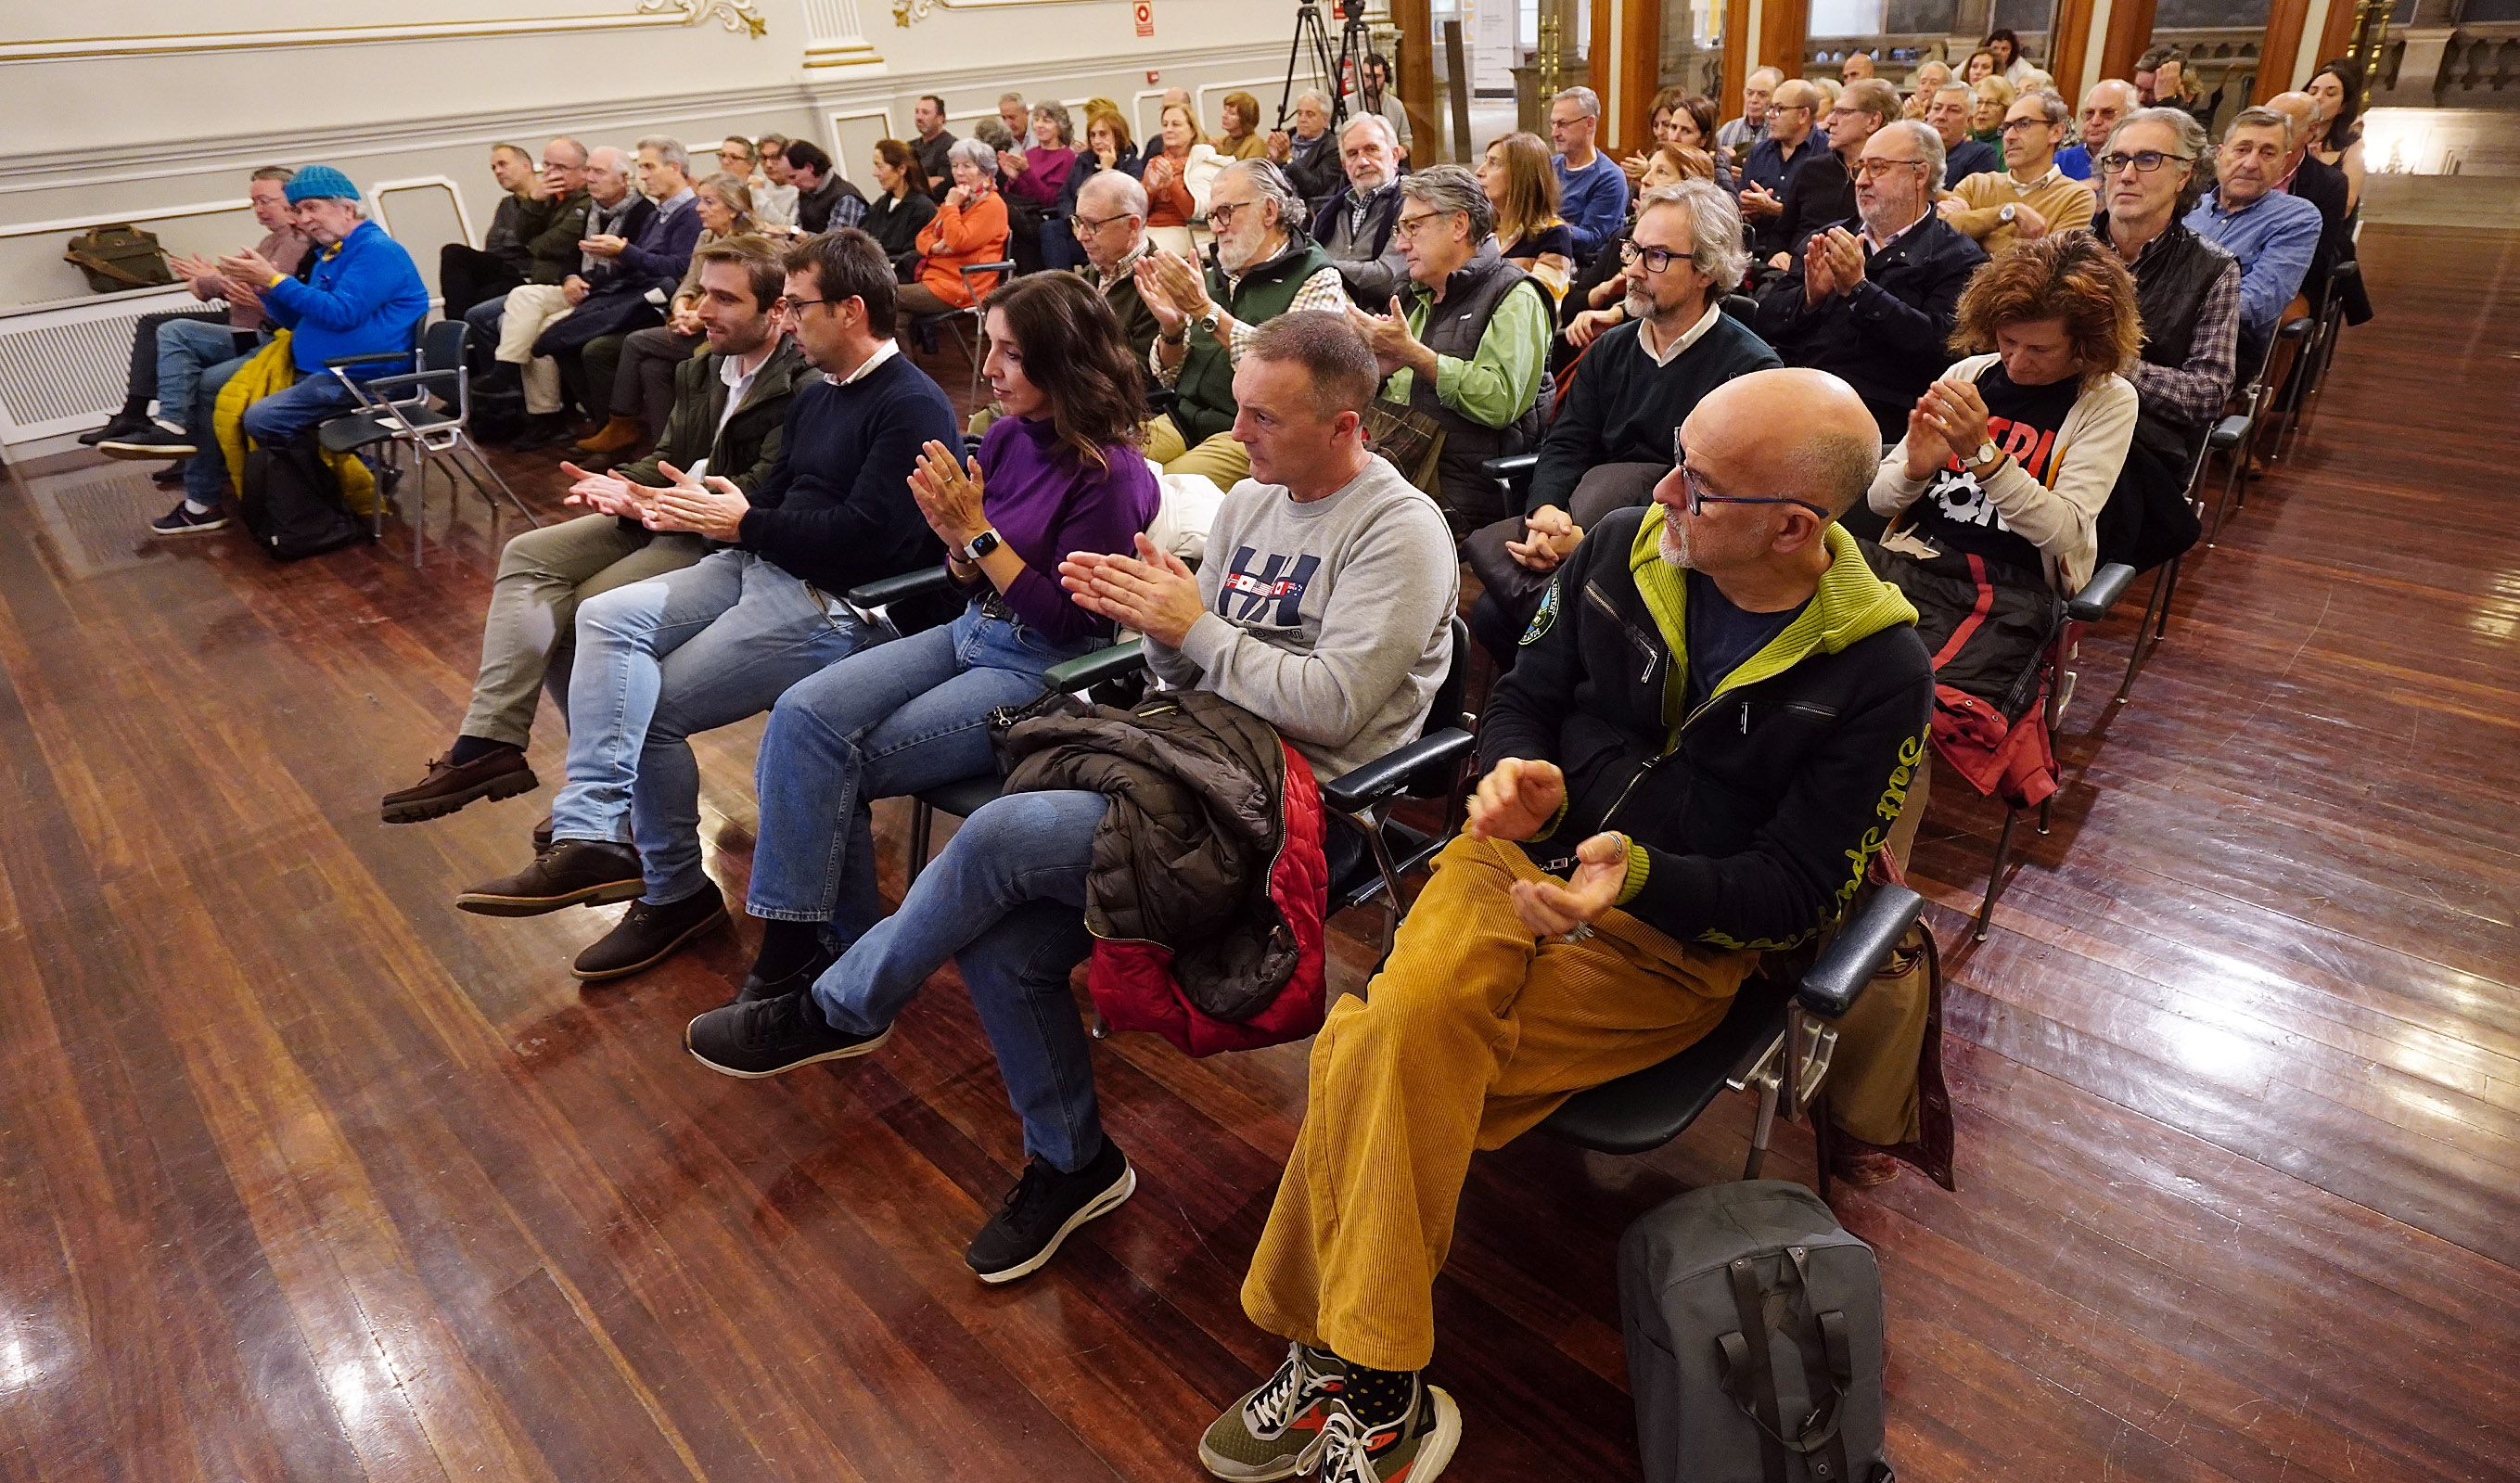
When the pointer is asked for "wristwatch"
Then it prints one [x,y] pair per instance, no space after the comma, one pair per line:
[1208,320]
[987,541]
[1986,456]
[2005,214]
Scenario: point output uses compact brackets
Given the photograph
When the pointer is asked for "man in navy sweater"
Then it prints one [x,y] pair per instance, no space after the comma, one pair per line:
[719,640]
[1612,439]
[363,297]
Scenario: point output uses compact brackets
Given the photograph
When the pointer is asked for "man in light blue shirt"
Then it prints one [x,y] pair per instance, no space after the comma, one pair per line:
[1591,189]
[2273,235]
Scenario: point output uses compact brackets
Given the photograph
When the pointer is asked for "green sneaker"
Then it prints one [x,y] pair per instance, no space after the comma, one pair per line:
[1276,1431]
[1413,1448]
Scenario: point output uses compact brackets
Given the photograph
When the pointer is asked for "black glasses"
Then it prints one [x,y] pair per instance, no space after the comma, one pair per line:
[1655,260]
[798,306]
[2146,160]
[1865,170]
[1696,496]
[1087,226]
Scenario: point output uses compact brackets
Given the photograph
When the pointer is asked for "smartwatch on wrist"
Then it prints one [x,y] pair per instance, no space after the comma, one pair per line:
[980,545]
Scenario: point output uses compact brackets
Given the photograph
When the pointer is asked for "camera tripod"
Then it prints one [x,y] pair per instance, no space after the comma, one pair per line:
[1332,69]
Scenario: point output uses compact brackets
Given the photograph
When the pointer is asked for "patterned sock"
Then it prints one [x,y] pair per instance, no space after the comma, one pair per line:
[1379,1397]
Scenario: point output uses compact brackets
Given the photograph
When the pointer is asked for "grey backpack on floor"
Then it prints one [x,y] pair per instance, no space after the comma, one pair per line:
[1753,1325]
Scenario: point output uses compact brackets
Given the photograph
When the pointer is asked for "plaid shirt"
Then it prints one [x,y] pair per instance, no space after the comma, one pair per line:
[2193,395]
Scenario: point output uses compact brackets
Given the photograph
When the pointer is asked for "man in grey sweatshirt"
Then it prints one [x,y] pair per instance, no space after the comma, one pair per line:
[1325,606]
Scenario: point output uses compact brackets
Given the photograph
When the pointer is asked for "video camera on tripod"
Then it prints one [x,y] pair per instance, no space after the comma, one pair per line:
[1337,71]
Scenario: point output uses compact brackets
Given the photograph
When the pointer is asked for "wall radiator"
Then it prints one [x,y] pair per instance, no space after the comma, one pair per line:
[64,367]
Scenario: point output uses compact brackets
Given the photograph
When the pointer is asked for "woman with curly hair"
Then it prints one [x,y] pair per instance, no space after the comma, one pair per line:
[1996,493]
[1060,473]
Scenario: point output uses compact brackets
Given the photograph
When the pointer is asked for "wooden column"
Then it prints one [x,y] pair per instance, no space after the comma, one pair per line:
[2338,34]
[1626,68]
[1422,53]
[1785,28]
[2129,32]
[2281,50]
[2069,41]
[1736,56]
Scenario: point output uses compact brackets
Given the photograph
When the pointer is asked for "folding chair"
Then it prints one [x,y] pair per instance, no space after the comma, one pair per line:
[970,316]
[1776,1041]
[2311,378]
[395,412]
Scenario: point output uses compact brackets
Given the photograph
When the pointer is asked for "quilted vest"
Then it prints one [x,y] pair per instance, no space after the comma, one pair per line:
[1207,384]
[1454,328]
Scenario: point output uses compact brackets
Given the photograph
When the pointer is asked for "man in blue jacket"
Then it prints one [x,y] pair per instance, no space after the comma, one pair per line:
[690,650]
[364,298]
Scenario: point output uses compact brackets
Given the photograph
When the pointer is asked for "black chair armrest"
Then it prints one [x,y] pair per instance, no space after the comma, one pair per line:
[1095,668]
[424,380]
[2349,268]
[886,591]
[1001,265]
[1862,943]
[2231,432]
[2100,592]
[1510,466]
[1386,777]
[374,357]
[2297,328]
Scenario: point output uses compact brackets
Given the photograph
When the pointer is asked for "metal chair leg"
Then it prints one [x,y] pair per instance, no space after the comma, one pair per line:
[1995,876]
[473,458]
[1764,1126]
[922,823]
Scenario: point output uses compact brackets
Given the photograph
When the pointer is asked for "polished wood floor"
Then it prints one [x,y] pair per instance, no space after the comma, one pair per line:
[309,1175]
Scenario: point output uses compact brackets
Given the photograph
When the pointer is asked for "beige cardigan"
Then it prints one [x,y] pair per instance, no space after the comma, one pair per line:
[2063,521]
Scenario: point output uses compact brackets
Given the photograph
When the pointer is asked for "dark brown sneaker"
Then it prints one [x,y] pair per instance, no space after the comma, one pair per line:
[500,772]
[572,872]
[647,936]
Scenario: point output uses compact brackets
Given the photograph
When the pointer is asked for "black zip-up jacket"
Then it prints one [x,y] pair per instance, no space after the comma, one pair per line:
[1751,819]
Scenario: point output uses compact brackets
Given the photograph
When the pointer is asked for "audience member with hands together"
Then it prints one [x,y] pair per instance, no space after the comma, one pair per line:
[1518,798]
[1151,593]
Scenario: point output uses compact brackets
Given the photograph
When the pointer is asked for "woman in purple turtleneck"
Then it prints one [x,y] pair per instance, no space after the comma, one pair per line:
[1060,472]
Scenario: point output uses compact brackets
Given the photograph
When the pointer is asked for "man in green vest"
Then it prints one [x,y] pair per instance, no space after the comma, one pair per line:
[1265,267]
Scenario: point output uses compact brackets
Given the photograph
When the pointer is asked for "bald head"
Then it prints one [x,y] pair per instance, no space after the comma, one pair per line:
[2301,109]
[1798,107]
[2108,101]
[1110,221]
[1826,457]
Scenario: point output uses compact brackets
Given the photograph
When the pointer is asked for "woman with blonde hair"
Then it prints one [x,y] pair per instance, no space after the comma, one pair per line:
[1172,156]
[1519,181]
[1241,138]
[1986,117]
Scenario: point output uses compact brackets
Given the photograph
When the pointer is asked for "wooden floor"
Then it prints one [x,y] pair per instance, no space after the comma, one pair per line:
[306,1175]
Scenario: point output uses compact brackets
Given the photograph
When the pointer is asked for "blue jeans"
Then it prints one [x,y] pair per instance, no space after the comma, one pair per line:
[1006,901]
[661,660]
[901,718]
[276,419]
[186,347]
[207,472]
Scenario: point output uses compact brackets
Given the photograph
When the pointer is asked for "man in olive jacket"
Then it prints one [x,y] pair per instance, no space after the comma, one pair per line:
[730,410]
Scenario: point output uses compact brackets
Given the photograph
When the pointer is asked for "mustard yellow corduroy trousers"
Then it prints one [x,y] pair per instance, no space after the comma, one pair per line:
[1471,1034]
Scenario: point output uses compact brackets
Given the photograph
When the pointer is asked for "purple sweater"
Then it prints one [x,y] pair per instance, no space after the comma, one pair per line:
[1044,175]
[1045,504]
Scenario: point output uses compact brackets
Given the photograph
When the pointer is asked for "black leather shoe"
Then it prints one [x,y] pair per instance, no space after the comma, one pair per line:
[794,981]
[572,872]
[117,426]
[647,934]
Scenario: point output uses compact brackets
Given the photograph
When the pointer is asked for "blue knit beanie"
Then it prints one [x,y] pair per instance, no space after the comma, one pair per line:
[320,182]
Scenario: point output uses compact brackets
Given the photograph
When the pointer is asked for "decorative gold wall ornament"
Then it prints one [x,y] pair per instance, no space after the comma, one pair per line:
[734,14]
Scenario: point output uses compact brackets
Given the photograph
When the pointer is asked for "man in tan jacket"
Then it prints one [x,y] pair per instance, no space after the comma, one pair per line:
[2029,197]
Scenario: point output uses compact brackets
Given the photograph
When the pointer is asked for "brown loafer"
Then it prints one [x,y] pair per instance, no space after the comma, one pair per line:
[572,872]
[500,772]
[647,936]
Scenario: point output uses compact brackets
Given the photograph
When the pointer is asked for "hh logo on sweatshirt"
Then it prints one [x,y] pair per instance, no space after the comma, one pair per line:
[1245,594]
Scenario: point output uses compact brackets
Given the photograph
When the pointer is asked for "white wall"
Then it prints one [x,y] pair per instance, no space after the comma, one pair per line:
[417,89]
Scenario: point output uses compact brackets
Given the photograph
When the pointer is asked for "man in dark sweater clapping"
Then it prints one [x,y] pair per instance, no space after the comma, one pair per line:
[719,640]
[1622,403]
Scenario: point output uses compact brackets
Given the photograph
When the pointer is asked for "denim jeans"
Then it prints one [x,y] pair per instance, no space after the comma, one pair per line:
[896,719]
[149,351]
[1006,901]
[207,472]
[661,660]
[276,419]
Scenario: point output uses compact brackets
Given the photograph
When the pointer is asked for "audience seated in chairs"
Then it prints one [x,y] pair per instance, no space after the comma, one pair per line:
[1035,177]
[1308,154]
[170,351]
[1592,189]
[1612,891]
[652,262]
[1265,267]
[704,647]
[614,214]
[1468,350]
[1948,116]
[1823,188]
[1522,188]
[2187,294]
[552,253]
[1793,139]
[363,297]
[902,208]
[1239,136]
[468,275]
[630,377]
[1324,608]
[1595,301]
[1058,473]
[1111,230]
[1171,155]
[729,407]
[1609,441]
[825,200]
[1107,148]
[2005,465]
[1872,300]
[2110,100]
[1739,136]
[927,122]
[2272,235]
[968,229]
[774,196]
[2031,197]
[1354,226]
